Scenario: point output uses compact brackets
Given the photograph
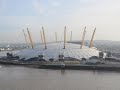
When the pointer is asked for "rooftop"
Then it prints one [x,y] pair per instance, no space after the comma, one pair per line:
[55,49]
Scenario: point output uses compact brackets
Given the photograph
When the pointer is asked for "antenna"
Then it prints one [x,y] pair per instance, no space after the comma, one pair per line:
[30,39]
[44,37]
[91,42]
[83,37]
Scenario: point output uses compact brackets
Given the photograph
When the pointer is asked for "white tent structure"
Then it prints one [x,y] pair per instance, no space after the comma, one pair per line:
[55,49]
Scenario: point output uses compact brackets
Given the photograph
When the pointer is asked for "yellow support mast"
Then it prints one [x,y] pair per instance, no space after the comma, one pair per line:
[56,36]
[83,38]
[41,37]
[71,37]
[30,39]
[26,39]
[91,42]
[44,38]
[64,37]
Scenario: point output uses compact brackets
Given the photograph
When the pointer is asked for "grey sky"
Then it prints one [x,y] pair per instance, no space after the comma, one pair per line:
[55,14]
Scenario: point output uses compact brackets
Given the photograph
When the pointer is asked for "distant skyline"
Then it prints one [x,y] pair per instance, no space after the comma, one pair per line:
[16,15]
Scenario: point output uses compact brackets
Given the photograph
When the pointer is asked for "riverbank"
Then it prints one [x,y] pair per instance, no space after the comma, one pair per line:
[68,65]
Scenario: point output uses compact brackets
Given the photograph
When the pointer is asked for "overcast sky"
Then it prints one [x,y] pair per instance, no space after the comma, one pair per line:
[16,15]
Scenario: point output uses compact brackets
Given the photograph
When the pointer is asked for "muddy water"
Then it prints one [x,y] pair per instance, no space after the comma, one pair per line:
[21,78]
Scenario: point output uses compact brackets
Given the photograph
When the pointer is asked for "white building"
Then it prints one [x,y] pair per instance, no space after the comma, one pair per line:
[55,49]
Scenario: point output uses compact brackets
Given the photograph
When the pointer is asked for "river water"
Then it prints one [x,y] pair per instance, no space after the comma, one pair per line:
[21,78]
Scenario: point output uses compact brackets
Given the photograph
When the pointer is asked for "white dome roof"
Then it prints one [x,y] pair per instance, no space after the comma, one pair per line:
[54,49]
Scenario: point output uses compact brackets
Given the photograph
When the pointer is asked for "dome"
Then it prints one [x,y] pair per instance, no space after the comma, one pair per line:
[55,49]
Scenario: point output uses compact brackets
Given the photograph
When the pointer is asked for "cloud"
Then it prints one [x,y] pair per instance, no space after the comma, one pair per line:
[38,6]
[104,15]
[45,7]
[55,3]
[88,1]
[55,14]
[2,3]
[3,6]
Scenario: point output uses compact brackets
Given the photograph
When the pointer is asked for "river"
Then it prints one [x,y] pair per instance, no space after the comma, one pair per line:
[21,78]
